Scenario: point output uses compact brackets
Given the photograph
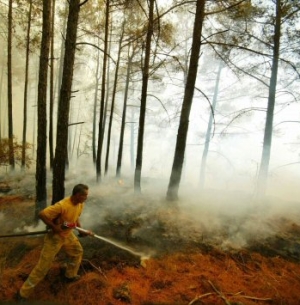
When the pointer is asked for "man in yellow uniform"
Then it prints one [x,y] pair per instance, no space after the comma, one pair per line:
[60,218]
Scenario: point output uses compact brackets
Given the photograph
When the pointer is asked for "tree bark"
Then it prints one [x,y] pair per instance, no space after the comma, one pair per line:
[62,52]
[64,104]
[121,141]
[41,190]
[209,127]
[132,138]
[139,156]
[23,162]
[267,143]
[103,90]
[172,193]
[112,109]
[51,100]
[9,89]
[1,86]
[95,106]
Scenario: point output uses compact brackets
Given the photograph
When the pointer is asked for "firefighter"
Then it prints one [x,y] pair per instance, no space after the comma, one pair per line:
[59,218]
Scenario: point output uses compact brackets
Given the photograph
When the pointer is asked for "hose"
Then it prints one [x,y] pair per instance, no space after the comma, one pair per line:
[24,234]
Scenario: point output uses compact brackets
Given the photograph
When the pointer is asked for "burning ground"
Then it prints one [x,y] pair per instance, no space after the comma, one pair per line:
[208,250]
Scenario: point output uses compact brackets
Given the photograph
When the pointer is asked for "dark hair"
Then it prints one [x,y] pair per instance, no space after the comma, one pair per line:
[79,188]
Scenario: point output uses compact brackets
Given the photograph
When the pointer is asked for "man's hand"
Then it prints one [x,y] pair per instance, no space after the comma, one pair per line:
[69,225]
[56,229]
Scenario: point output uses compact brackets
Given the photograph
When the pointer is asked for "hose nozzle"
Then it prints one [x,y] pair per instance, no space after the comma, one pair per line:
[68,225]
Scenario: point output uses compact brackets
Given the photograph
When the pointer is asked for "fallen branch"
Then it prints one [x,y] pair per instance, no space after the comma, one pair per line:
[255,298]
[200,297]
[222,296]
[243,265]
[219,293]
[97,268]
[239,294]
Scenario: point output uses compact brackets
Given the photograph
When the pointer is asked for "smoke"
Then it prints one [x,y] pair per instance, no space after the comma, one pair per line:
[40,226]
[226,218]
[225,214]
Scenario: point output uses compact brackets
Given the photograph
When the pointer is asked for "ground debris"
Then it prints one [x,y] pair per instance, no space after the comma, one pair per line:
[4,187]
[122,293]
[95,267]
[226,296]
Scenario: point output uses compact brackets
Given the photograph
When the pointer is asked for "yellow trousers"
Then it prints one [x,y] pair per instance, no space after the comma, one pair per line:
[52,245]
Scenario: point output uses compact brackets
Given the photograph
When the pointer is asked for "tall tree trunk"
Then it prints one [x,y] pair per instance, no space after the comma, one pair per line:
[209,128]
[57,84]
[62,53]
[26,87]
[34,125]
[103,90]
[107,90]
[95,106]
[139,156]
[112,109]
[72,149]
[79,138]
[34,133]
[267,143]
[9,89]
[172,193]
[41,190]
[121,142]
[132,139]
[1,99]
[51,100]
[58,190]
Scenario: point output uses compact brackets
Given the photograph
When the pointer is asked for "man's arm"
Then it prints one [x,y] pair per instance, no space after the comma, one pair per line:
[83,234]
[56,228]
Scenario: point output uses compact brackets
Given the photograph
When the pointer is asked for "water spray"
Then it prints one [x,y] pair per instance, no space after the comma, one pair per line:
[142,256]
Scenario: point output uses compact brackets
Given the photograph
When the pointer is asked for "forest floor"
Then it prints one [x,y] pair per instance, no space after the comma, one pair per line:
[189,255]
